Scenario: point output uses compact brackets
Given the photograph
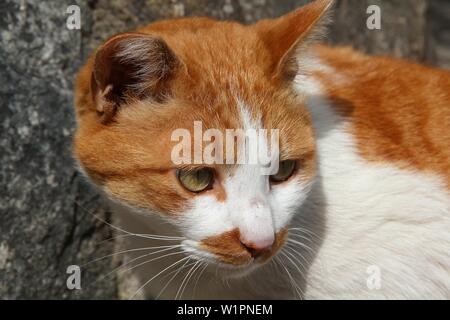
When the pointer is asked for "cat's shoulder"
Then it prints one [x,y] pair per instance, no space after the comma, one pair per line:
[398,110]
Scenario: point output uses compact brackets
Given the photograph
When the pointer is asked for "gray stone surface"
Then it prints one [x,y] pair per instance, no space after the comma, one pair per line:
[42,229]
[402,31]
[438,33]
[46,209]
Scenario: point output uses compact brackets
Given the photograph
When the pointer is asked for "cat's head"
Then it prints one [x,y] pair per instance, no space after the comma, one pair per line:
[142,93]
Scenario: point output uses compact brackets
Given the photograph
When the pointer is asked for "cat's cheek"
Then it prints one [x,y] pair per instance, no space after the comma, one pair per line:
[205,217]
[286,200]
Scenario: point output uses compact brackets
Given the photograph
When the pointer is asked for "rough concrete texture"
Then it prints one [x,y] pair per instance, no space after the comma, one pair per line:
[46,209]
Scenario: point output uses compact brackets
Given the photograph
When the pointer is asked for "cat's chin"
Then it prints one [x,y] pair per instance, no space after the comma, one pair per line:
[233,272]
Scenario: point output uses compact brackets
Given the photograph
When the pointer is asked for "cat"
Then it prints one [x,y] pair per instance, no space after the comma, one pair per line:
[359,207]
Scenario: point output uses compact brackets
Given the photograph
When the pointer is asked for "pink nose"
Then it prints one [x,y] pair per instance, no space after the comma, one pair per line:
[258,248]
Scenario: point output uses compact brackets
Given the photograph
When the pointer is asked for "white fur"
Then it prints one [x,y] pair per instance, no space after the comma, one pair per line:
[375,215]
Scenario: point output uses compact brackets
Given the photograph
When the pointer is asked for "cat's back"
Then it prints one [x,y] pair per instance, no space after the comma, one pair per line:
[399,110]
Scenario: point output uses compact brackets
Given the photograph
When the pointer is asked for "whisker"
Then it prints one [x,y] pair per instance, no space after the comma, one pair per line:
[113,238]
[145,236]
[301,237]
[297,252]
[189,279]
[129,262]
[198,278]
[292,281]
[129,250]
[151,260]
[184,279]
[294,264]
[301,244]
[176,271]
[173,271]
[154,277]
[276,265]
[154,237]
[100,219]
[306,231]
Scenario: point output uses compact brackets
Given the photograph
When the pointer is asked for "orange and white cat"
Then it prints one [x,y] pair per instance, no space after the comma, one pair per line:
[360,206]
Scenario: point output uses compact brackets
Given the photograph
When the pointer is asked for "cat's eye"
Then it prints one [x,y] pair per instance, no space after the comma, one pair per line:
[196,180]
[285,171]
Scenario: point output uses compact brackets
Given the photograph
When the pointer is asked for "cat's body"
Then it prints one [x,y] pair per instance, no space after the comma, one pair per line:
[384,183]
[369,216]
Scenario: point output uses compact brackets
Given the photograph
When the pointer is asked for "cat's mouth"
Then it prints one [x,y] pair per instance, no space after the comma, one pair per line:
[230,256]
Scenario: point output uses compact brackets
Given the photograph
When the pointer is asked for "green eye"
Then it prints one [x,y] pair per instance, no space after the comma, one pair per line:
[196,180]
[286,170]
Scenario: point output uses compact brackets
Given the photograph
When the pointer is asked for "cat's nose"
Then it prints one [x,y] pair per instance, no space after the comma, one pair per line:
[258,248]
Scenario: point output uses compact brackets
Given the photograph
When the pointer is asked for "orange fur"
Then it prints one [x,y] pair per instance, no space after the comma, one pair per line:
[229,248]
[400,111]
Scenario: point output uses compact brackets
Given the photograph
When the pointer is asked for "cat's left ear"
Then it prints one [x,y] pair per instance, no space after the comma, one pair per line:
[287,37]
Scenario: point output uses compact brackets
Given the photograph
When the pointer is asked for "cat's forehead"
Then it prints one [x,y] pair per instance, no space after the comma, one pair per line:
[209,39]
[217,52]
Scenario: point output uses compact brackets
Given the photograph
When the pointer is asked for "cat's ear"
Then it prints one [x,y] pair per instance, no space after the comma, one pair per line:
[288,36]
[131,66]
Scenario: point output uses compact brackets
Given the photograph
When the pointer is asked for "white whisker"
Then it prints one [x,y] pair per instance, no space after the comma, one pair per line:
[296,252]
[177,271]
[189,279]
[129,262]
[184,279]
[315,235]
[129,250]
[293,263]
[301,237]
[145,236]
[154,277]
[198,278]
[151,260]
[154,237]
[301,244]
[293,283]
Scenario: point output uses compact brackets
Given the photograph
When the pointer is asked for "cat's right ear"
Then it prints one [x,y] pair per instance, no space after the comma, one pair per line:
[289,37]
[131,66]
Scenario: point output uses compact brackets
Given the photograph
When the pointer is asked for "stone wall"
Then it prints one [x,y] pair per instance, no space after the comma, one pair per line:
[46,209]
